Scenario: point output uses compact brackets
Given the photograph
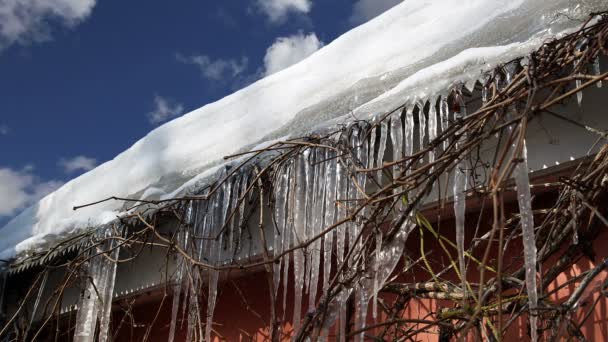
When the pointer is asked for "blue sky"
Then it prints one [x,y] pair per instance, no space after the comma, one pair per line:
[82,80]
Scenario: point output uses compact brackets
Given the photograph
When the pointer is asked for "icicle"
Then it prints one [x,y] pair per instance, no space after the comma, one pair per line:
[342,194]
[317,216]
[422,125]
[397,140]
[193,307]
[299,237]
[596,69]
[524,199]
[409,131]
[462,107]
[376,268]
[37,302]
[203,221]
[443,118]
[470,85]
[388,259]
[579,94]
[86,318]
[460,186]
[381,148]
[241,217]
[287,237]
[580,46]
[509,71]
[361,306]
[329,219]
[372,148]
[484,95]
[215,252]
[232,226]
[363,156]
[432,126]
[311,177]
[352,228]
[96,299]
[109,281]
[281,193]
[177,287]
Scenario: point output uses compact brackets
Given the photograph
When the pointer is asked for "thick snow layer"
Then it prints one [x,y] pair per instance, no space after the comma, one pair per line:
[416,49]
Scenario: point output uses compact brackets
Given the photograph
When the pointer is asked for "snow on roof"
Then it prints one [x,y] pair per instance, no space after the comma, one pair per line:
[417,49]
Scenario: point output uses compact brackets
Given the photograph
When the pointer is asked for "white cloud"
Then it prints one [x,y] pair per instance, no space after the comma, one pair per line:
[277,10]
[4,130]
[78,163]
[22,21]
[216,70]
[287,51]
[365,10]
[164,109]
[19,189]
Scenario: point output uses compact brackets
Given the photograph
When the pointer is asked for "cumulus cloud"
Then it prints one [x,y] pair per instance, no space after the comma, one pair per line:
[277,10]
[164,109]
[4,130]
[364,10]
[78,163]
[287,51]
[21,188]
[23,21]
[216,70]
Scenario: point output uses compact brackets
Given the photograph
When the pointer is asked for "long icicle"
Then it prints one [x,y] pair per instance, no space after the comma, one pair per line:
[524,199]
[216,253]
[317,216]
[281,193]
[376,274]
[89,303]
[279,227]
[329,219]
[299,231]
[177,287]
[41,288]
[342,194]
[108,288]
[311,178]
[363,159]
[460,186]
[287,242]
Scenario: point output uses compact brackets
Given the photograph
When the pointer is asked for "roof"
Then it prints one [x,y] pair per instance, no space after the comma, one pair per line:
[416,50]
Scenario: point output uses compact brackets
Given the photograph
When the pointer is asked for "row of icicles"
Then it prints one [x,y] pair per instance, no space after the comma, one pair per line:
[305,191]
